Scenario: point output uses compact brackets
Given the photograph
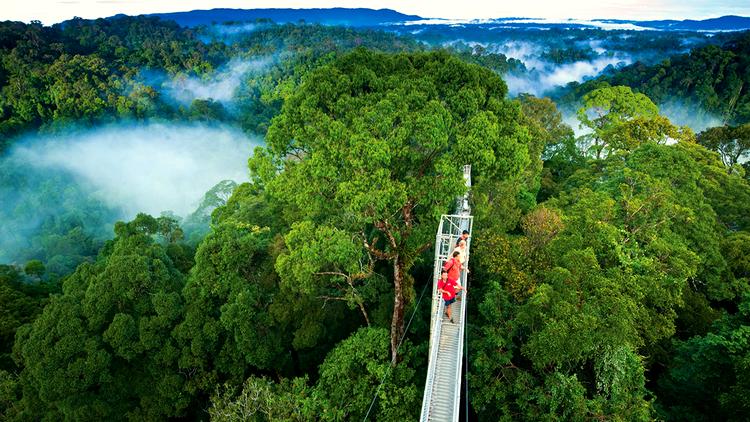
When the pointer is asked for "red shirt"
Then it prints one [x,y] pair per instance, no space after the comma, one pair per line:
[448,287]
[453,266]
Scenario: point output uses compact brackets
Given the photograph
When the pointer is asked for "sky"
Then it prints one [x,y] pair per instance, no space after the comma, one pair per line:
[53,11]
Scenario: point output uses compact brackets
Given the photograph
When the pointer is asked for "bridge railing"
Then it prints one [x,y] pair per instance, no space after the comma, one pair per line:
[430,381]
[449,230]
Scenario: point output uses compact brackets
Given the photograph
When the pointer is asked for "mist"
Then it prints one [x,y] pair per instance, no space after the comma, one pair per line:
[225,30]
[570,118]
[556,58]
[693,116]
[541,75]
[547,76]
[527,52]
[61,194]
[220,86]
[679,113]
[145,167]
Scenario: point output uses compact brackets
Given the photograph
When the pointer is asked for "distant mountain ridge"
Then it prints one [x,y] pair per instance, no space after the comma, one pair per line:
[333,16]
[724,23]
[363,17]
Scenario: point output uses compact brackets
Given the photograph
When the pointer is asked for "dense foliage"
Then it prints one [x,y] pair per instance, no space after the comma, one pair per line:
[96,71]
[712,80]
[366,148]
[609,272]
[83,71]
[102,349]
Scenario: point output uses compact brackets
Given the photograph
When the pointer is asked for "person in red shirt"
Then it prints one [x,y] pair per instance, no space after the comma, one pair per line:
[453,266]
[448,289]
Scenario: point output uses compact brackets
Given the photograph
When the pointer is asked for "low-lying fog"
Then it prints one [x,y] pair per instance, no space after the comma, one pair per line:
[151,167]
[86,179]
[220,86]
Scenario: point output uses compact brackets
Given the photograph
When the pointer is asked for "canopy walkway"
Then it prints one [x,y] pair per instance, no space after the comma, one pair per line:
[442,391]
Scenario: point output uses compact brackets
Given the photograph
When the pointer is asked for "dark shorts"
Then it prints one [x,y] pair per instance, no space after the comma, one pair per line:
[449,301]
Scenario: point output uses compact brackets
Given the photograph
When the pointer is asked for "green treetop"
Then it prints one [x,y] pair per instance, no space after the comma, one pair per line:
[731,142]
[373,144]
[607,108]
[103,349]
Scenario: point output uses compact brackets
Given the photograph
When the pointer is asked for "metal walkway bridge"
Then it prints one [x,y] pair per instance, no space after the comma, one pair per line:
[442,391]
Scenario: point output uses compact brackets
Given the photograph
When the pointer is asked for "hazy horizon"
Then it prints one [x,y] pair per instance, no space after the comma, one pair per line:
[55,11]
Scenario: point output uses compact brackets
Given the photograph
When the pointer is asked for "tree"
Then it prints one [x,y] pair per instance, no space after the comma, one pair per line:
[658,129]
[328,264]
[706,83]
[348,380]
[78,86]
[9,394]
[20,302]
[196,225]
[728,194]
[708,377]
[227,330]
[103,348]
[264,400]
[34,268]
[546,122]
[559,151]
[731,142]
[578,303]
[373,145]
[609,384]
[352,372]
[605,109]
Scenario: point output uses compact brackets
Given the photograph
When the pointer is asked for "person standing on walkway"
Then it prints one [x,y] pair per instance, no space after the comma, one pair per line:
[464,236]
[461,258]
[453,266]
[461,249]
[448,290]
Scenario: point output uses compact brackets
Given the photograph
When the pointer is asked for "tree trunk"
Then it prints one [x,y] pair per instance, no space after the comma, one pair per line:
[397,321]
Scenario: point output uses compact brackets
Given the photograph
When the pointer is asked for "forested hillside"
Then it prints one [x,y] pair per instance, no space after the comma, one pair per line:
[118,72]
[711,80]
[609,273]
[97,71]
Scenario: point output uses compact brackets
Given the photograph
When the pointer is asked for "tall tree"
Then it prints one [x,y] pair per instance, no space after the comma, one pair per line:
[373,144]
[227,329]
[605,109]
